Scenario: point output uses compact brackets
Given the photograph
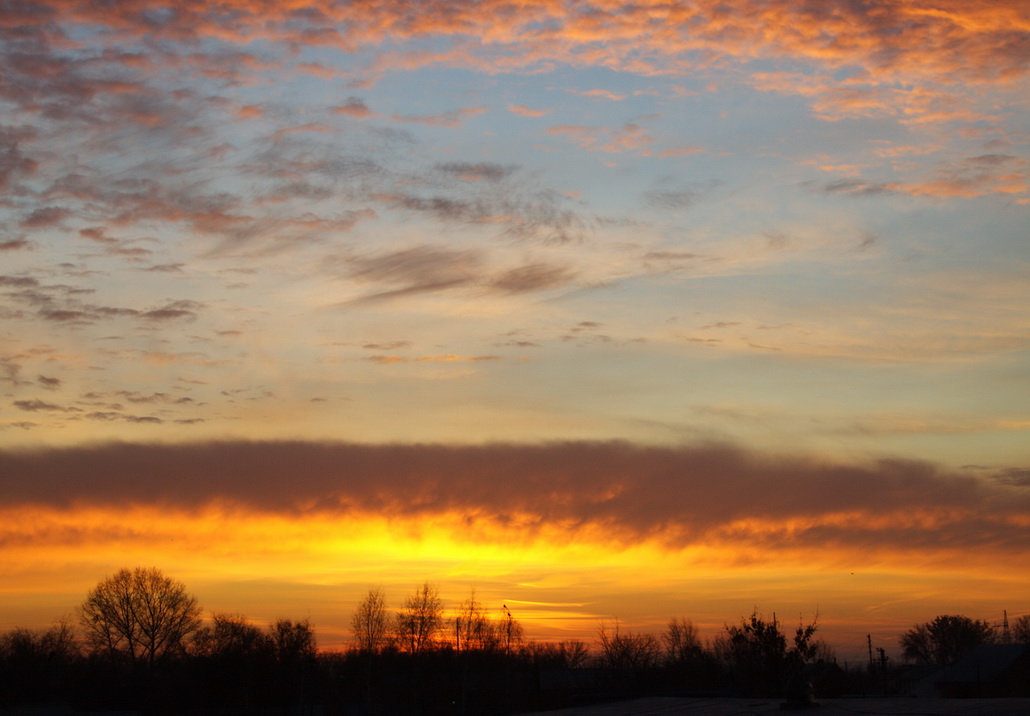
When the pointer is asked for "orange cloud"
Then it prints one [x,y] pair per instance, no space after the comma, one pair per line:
[943,40]
[629,137]
[524,111]
[677,496]
[603,94]
[684,150]
[982,175]
[250,111]
[451,120]
[355,109]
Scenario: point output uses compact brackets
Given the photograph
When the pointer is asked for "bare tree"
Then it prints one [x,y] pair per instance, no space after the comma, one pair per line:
[140,615]
[369,623]
[230,636]
[682,643]
[420,620]
[54,645]
[626,650]
[293,641]
[37,665]
[571,654]
[473,630]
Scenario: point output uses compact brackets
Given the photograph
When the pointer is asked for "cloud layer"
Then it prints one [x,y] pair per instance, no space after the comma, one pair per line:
[628,493]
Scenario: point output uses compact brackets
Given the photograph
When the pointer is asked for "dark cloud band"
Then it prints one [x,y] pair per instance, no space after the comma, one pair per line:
[676,495]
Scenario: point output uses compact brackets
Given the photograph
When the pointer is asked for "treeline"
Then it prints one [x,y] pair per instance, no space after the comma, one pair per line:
[140,643]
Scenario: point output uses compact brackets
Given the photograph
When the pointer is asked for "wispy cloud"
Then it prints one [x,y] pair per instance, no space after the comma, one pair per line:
[428,269]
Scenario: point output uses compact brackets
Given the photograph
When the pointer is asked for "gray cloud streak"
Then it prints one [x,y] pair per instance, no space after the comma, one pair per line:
[429,269]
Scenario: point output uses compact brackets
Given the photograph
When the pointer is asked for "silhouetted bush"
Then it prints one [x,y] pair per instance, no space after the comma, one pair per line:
[945,639]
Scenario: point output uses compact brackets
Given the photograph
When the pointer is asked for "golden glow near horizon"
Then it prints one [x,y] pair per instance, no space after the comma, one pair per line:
[561,583]
[607,310]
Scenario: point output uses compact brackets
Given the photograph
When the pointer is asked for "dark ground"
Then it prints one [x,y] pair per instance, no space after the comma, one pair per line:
[873,706]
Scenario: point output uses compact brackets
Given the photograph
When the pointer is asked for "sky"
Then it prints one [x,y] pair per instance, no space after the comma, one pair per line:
[605,310]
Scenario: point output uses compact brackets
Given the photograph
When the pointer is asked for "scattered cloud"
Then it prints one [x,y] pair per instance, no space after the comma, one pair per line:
[48,382]
[36,405]
[449,120]
[172,311]
[542,215]
[683,150]
[45,217]
[524,111]
[628,138]
[59,303]
[964,178]
[476,172]
[602,94]
[417,270]
[355,109]
[429,269]
[388,346]
[672,197]
[532,277]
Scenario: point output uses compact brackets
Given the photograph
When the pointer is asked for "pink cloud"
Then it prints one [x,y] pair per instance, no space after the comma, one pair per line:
[942,40]
[526,111]
[603,94]
[355,109]
[629,137]
[451,120]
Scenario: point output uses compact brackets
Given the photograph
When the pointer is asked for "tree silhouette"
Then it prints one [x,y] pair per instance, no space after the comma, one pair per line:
[472,628]
[139,615]
[569,654]
[35,663]
[420,619]
[230,636]
[293,644]
[682,643]
[1021,630]
[756,652]
[625,650]
[945,639]
[293,641]
[234,660]
[369,623]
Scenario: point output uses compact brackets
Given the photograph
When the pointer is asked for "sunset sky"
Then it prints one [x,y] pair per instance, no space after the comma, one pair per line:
[606,310]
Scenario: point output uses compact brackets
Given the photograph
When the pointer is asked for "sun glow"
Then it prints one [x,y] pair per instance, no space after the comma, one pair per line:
[561,580]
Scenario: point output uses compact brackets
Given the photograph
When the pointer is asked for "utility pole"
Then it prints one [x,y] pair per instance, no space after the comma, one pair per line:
[869,641]
[883,667]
